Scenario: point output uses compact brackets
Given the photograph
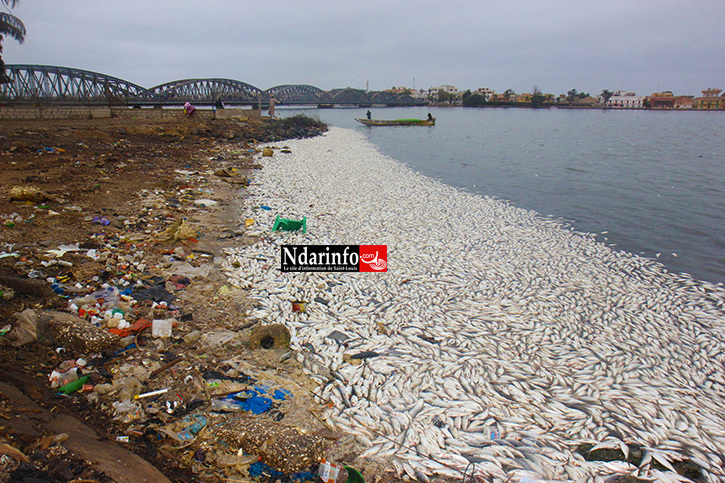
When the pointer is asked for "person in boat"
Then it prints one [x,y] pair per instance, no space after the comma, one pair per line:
[369,114]
[430,118]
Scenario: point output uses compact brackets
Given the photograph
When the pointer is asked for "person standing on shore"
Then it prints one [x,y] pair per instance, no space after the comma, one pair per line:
[272,102]
[188,108]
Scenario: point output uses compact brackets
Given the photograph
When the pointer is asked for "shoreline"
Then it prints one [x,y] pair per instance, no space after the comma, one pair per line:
[134,178]
[526,327]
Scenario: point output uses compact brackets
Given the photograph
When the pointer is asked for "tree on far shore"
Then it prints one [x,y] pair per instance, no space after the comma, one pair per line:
[12,26]
[443,96]
[473,100]
[573,95]
[537,97]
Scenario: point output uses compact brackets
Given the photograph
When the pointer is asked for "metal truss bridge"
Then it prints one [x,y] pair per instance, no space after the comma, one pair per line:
[53,85]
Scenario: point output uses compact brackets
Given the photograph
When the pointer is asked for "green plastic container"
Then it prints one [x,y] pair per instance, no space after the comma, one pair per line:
[353,475]
[290,225]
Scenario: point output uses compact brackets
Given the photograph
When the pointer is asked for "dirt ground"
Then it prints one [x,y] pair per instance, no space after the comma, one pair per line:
[83,203]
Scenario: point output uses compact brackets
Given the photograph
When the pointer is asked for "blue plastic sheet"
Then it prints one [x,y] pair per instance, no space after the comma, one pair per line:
[254,400]
[261,469]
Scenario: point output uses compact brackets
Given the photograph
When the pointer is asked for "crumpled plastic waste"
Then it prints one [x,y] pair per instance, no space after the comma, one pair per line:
[251,400]
[134,328]
[178,282]
[156,292]
[260,469]
[107,298]
[205,203]
[193,424]
[29,193]
[11,220]
[217,338]
[24,331]
[211,376]
[178,230]
[127,410]
[63,249]
[101,220]
[66,372]
[226,172]
[186,269]
[51,150]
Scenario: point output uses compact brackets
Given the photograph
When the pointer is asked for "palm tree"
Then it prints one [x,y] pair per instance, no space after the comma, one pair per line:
[12,26]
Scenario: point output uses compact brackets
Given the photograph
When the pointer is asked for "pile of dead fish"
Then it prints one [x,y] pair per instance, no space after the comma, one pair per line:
[500,338]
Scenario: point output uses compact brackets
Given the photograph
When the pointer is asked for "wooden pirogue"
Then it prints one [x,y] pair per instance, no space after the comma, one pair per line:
[398,122]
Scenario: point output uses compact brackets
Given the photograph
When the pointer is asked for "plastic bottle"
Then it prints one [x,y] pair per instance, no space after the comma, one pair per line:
[192,336]
[74,386]
[331,473]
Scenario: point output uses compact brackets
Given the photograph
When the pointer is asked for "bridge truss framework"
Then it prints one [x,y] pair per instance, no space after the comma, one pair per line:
[54,85]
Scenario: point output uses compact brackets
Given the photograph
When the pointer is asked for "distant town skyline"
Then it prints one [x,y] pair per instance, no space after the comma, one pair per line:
[645,47]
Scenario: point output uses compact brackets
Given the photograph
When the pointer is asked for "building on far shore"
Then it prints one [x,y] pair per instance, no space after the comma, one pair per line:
[510,97]
[418,93]
[662,100]
[448,89]
[710,99]
[684,102]
[485,92]
[667,100]
[625,100]
[446,94]
[400,90]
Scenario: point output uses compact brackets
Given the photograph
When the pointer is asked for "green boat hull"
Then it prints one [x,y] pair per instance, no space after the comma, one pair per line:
[397,122]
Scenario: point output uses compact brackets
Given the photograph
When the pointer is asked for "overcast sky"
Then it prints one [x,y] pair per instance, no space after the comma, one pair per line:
[557,45]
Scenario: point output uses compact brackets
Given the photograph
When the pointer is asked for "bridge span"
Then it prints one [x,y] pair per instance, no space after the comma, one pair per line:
[54,85]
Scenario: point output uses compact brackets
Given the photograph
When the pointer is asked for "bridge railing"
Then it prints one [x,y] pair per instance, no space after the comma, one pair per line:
[47,84]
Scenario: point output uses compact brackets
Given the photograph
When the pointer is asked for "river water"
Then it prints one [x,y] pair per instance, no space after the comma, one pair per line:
[649,182]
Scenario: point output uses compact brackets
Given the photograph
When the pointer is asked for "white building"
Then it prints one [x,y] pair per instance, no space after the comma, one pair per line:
[485,92]
[625,100]
[447,89]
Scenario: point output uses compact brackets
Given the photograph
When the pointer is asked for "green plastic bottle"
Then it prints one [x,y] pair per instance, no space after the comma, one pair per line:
[72,387]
